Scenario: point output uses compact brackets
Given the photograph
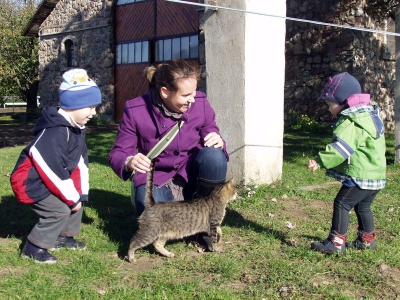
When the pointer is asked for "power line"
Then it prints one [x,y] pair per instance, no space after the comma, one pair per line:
[288,18]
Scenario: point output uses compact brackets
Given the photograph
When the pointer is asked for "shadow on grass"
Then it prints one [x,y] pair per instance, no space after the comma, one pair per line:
[235,219]
[116,212]
[15,219]
[8,117]
[297,144]
[118,219]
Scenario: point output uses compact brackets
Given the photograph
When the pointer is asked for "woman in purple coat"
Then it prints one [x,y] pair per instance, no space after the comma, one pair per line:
[195,162]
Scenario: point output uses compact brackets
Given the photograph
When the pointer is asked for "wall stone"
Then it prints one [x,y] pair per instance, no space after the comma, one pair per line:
[89,25]
[315,52]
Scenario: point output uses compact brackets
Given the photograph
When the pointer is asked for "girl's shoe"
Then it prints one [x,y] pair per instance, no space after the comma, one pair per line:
[334,244]
[365,240]
[328,247]
[38,254]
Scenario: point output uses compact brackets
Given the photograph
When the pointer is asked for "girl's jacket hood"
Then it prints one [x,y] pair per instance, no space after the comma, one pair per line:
[368,119]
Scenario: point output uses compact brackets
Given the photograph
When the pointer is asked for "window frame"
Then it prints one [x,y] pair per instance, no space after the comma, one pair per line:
[126,52]
[131,2]
[169,53]
[125,57]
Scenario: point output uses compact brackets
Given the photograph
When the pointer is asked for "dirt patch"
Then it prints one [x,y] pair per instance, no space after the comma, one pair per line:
[320,186]
[147,262]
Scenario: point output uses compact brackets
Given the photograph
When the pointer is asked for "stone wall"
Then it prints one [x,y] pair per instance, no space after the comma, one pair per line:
[88,24]
[315,52]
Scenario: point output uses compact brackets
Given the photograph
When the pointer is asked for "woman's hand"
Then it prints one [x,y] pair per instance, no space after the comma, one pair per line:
[312,164]
[213,139]
[139,163]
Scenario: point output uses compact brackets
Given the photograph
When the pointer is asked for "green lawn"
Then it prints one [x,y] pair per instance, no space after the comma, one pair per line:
[262,257]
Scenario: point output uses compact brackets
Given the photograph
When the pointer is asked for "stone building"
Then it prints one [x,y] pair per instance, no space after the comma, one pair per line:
[113,41]
[255,69]
[315,52]
[75,34]
[90,34]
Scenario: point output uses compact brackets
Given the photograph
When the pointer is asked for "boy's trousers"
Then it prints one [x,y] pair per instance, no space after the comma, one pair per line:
[55,218]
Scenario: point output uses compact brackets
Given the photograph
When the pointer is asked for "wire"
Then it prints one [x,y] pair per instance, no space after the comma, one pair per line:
[288,18]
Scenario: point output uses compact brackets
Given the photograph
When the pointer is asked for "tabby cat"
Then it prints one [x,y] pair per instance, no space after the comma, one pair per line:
[164,221]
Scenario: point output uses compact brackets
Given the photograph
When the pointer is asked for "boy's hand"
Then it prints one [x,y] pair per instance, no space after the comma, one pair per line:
[312,164]
[77,207]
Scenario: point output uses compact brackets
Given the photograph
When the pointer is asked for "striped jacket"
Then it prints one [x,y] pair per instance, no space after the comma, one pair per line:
[55,162]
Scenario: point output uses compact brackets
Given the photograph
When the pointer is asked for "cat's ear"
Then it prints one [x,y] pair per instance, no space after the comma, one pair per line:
[231,181]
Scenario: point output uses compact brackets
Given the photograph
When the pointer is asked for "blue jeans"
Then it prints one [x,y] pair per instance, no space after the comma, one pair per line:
[207,170]
[353,197]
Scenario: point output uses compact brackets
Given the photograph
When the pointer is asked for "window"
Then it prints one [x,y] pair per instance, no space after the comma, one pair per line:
[133,53]
[69,53]
[120,2]
[185,47]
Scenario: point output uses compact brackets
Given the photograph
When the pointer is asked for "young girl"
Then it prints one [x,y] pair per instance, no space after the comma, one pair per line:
[356,157]
[51,174]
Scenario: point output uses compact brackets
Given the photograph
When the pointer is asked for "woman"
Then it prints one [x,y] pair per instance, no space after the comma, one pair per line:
[195,162]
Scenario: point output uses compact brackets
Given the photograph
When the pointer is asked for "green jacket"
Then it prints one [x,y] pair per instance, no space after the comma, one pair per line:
[358,146]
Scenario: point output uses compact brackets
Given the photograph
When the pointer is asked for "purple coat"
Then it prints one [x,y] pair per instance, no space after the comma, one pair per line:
[142,126]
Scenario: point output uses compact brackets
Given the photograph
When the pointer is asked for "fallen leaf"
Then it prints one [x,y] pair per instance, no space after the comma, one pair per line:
[290,225]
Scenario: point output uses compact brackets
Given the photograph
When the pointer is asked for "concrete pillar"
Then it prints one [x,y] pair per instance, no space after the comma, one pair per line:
[397,92]
[245,65]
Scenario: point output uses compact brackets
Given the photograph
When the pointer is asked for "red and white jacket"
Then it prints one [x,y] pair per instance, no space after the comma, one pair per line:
[55,162]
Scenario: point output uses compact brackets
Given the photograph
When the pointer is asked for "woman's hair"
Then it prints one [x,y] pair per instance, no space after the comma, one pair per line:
[167,73]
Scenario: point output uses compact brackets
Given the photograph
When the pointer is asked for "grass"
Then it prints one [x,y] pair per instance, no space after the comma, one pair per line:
[262,258]
[10,117]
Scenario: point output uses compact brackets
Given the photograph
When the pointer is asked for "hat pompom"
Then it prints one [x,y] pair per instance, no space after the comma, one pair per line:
[78,90]
[339,88]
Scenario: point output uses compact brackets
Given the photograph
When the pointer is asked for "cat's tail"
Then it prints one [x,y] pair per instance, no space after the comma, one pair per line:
[149,198]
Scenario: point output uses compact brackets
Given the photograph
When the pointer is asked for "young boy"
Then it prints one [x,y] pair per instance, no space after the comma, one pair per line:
[356,157]
[51,174]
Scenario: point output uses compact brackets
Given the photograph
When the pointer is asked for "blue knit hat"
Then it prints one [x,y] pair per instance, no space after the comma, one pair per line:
[339,88]
[77,90]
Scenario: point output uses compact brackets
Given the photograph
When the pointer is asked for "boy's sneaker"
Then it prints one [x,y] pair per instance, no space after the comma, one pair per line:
[38,254]
[328,247]
[68,242]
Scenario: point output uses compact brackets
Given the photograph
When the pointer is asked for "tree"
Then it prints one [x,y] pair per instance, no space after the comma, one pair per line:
[19,73]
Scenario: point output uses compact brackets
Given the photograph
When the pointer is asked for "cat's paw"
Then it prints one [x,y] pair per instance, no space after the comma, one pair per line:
[131,258]
[170,255]
[215,248]
[219,234]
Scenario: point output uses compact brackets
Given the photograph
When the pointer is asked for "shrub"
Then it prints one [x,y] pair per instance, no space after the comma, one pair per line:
[301,122]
